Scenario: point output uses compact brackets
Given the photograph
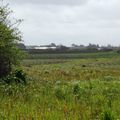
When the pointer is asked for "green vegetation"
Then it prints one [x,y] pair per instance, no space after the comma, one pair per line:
[18,77]
[9,36]
[74,55]
[64,86]
[65,89]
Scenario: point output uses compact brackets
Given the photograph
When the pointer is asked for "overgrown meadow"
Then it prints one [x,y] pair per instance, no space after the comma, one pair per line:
[61,87]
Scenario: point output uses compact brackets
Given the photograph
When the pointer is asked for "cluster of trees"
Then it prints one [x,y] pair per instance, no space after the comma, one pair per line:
[9,37]
[73,49]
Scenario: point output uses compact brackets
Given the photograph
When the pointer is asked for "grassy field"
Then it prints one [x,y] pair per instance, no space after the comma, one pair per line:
[65,87]
[73,55]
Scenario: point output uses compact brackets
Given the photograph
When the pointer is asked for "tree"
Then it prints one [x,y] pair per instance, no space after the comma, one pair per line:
[53,45]
[9,37]
[21,46]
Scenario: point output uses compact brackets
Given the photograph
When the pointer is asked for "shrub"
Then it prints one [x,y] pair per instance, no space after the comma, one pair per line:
[60,93]
[9,36]
[107,115]
[20,76]
[15,77]
[83,65]
[76,89]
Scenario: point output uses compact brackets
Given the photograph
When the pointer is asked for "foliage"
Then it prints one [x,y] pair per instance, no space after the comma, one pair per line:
[9,36]
[18,77]
[62,89]
[76,89]
[107,115]
[72,55]
[60,93]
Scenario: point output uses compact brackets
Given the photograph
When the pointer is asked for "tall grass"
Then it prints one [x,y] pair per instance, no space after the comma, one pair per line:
[87,89]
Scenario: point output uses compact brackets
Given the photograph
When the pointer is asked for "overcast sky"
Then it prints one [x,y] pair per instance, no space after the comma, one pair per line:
[69,21]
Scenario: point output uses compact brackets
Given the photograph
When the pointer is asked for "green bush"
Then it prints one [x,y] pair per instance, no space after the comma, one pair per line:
[60,93]
[107,115]
[18,77]
[76,89]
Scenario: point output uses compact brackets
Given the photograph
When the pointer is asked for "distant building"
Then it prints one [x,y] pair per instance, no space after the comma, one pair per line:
[44,47]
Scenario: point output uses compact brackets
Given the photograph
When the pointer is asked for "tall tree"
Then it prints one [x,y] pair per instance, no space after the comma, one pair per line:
[9,36]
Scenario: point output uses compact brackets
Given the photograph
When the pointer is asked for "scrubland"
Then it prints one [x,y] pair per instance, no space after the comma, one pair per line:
[85,87]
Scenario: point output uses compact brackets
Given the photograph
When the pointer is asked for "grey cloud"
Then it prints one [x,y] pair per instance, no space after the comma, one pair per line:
[51,2]
[45,21]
